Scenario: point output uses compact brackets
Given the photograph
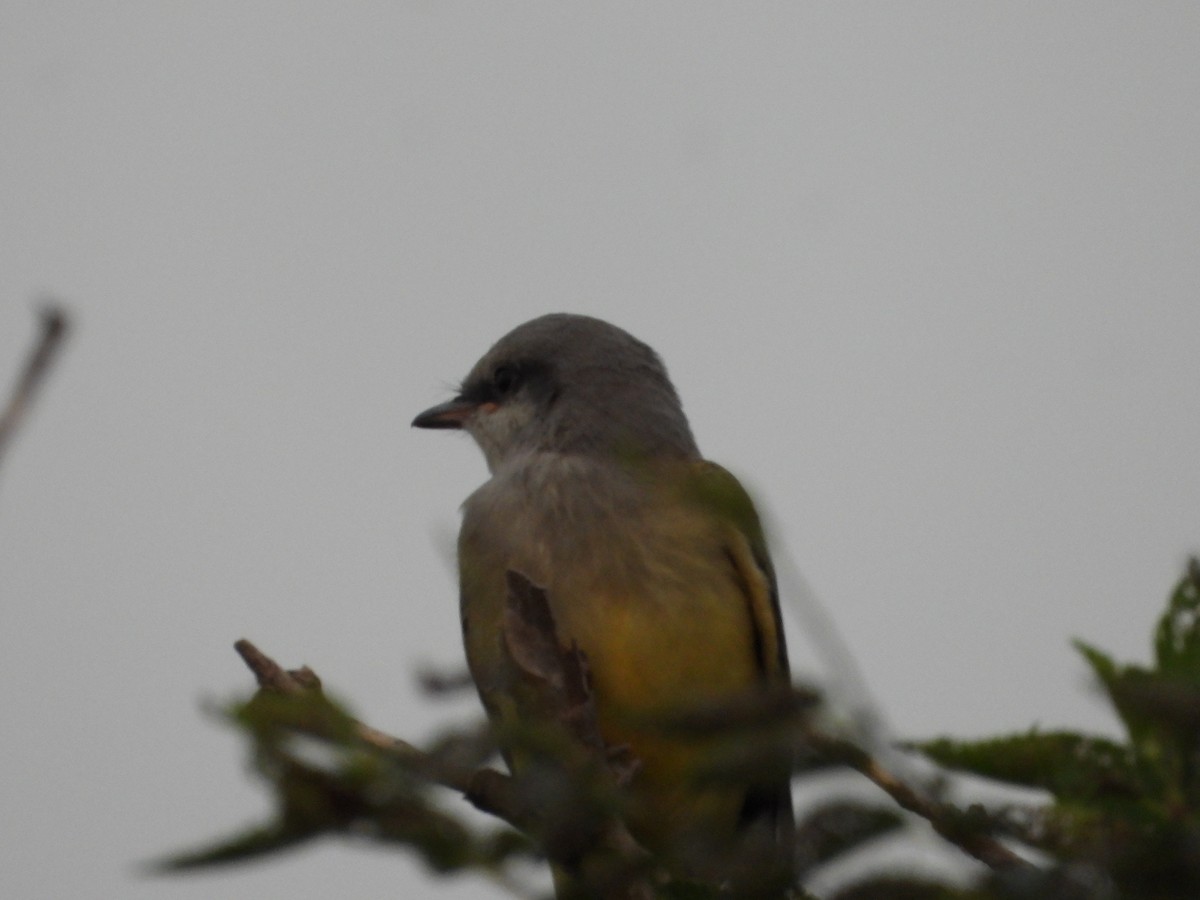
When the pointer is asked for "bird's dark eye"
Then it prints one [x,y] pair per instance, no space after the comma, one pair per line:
[505,379]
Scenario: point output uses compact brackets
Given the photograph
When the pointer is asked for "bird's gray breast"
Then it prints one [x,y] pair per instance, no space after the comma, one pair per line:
[558,519]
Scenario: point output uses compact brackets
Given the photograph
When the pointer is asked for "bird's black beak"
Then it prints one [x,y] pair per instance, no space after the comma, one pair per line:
[450,414]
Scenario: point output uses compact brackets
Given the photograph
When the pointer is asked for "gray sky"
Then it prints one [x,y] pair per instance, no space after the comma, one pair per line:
[926,276]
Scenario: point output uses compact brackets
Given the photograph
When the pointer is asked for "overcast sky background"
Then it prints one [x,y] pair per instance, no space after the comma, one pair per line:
[926,275]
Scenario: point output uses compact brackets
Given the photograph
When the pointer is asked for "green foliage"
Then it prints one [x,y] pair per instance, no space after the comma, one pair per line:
[325,780]
[1123,818]
[1130,809]
[1070,766]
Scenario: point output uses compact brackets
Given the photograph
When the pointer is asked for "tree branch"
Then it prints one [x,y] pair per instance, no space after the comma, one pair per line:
[488,790]
[594,846]
[962,829]
[54,329]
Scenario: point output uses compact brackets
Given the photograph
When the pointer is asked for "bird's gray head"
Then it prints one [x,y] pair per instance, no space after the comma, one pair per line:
[569,384]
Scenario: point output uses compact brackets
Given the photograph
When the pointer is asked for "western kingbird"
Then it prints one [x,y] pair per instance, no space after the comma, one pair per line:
[653,561]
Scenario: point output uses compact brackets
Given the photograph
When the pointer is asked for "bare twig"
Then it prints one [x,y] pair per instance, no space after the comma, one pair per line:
[54,329]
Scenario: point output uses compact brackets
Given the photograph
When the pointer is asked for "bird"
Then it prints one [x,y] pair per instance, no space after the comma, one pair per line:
[653,561]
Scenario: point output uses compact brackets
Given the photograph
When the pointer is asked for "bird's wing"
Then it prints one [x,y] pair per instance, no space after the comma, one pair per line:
[746,546]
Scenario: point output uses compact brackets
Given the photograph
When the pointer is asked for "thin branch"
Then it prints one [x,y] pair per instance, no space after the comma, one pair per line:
[487,789]
[790,709]
[54,329]
[596,847]
[950,822]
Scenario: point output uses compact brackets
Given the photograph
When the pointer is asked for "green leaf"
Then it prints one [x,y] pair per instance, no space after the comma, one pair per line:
[247,846]
[1167,711]
[1177,639]
[1165,704]
[270,716]
[1068,765]
[1160,708]
[1115,679]
[1101,663]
